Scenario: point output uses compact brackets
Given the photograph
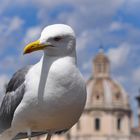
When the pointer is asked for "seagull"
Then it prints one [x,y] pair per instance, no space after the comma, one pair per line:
[47,97]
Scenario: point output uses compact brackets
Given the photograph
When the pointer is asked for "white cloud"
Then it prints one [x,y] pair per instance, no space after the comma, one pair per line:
[32,33]
[9,25]
[4,4]
[9,63]
[99,12]
[136,75]
[14,24]
[83,39]
[123,31]
[118,56]
[51,4]
[132,6]
[86,65]
[10,28]
[115,26]
[121,78]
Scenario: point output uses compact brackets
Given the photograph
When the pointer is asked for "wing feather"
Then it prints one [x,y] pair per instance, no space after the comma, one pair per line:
[14,94]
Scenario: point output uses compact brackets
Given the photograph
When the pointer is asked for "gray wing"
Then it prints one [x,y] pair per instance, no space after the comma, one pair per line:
[14,93]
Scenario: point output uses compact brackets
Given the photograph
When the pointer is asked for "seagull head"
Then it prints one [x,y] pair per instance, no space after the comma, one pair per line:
[55,39]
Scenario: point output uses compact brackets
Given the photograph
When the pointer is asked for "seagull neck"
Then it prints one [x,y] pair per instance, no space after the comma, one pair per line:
[45,65]
[47,58]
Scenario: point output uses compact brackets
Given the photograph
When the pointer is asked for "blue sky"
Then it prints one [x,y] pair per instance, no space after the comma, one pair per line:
[113,23]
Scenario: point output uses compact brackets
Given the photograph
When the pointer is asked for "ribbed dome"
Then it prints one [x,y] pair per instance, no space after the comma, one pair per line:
[106,93]
[103,92]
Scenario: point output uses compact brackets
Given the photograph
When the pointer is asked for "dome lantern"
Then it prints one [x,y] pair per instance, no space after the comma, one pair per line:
[101,65]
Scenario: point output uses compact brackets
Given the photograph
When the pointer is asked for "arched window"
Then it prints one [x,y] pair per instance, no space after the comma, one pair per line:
[97,96]
[117,96]
[119,121]
[97,124]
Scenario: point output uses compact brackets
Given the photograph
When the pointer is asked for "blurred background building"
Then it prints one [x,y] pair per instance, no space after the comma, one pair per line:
[107,114]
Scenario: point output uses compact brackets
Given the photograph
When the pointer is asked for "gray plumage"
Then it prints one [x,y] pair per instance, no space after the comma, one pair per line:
[17,79]
[14,93]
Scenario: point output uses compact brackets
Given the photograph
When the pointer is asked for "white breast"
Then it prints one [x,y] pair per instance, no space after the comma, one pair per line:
[55,96]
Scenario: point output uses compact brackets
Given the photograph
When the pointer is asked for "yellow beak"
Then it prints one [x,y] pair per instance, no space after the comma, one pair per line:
[34,46]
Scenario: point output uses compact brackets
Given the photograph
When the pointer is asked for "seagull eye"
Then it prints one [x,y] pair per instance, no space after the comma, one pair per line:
[58,38]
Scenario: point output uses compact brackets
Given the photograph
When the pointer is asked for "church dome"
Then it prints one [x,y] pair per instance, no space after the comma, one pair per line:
[103,91]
